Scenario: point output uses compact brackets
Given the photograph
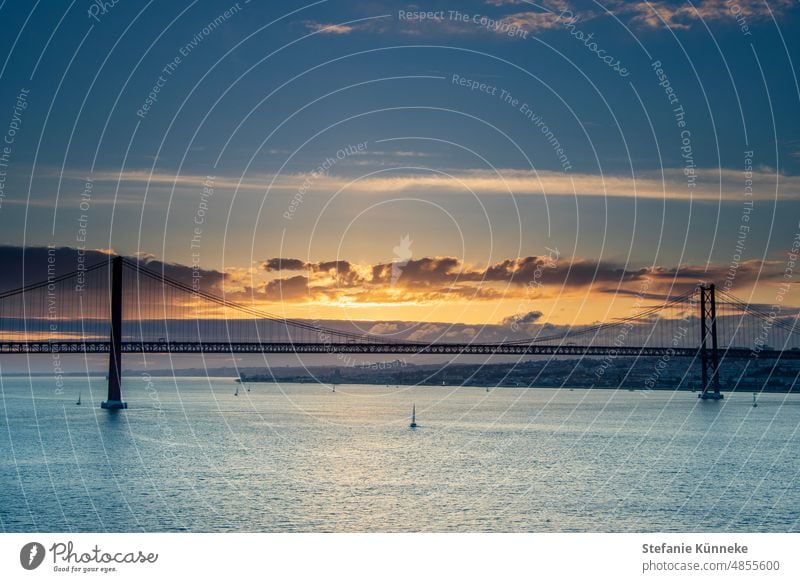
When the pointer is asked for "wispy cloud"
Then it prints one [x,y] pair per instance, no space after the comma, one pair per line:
[455,21]
[656,14]
[541,15]
[532,21]
[394,153]
[683,15]
[711,184]
[328,28]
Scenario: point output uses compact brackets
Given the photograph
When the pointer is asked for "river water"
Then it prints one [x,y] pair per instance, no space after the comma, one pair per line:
[189,455]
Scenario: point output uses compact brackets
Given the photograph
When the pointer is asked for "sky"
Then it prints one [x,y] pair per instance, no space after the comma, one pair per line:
[475,162]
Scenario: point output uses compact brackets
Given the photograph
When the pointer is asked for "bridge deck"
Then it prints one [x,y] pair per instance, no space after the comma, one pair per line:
[77,347]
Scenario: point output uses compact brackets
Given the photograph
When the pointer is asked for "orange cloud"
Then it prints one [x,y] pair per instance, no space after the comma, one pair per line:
[442,279]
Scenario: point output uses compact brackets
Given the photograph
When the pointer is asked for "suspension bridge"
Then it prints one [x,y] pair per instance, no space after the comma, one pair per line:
[121,306]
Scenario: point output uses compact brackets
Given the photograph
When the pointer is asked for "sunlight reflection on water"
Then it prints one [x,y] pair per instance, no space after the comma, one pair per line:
[189,455]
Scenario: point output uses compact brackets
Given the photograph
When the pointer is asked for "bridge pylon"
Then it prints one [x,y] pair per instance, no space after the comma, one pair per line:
[709,356]
[114,401]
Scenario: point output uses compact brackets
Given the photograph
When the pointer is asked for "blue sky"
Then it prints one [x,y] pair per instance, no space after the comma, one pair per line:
[264,93]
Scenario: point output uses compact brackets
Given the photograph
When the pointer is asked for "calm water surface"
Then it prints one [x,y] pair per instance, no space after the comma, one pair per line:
[189,455]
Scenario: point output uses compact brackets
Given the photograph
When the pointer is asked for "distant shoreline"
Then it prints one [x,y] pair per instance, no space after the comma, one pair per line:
[626,388]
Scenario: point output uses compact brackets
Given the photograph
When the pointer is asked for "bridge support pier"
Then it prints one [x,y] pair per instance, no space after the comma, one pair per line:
[114,401]
[709,357]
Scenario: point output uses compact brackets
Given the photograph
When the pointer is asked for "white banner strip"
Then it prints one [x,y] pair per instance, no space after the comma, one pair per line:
[401,557]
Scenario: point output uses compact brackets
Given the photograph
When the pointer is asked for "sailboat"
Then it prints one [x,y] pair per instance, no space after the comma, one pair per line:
[78,403]
[413,417]
[755,403]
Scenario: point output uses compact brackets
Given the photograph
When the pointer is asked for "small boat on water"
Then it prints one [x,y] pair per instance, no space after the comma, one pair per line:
[78,403]
[413,417]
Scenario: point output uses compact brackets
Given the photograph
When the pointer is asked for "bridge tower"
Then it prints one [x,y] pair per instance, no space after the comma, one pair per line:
[709,356]
[114,401]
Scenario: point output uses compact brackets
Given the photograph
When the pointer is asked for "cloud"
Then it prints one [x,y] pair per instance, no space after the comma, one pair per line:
[522,320]
[436,279]
[83,298]
[512,285]
[711,184]
[279,264]
[747,271]
[532,271]
[424,280]
[321,269]
[384,328]
[334,266]
[34,262]
[323,279]
[335,29]
[546,14]
[683,15]
[544,271]
[656,14]
[207,279]
[536,16]
[422,272]
[543,4]
[394,153]
[428,332]
[530,21]
[288,289]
